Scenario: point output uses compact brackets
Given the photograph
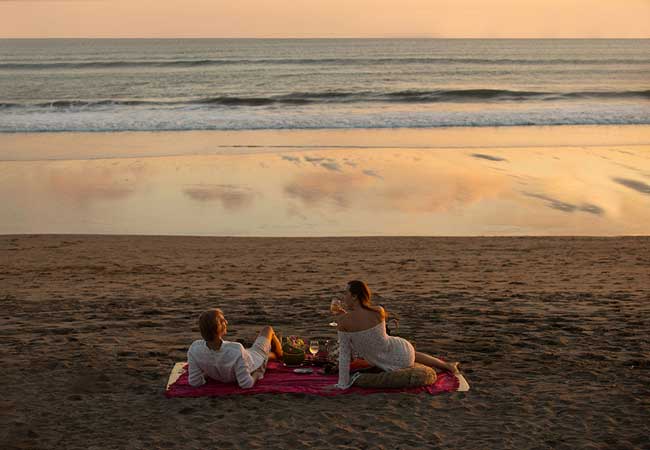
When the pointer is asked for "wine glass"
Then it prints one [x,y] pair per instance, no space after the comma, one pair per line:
[313,348]
[336,308]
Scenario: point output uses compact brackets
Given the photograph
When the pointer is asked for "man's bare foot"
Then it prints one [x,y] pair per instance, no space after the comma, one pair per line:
[454,367]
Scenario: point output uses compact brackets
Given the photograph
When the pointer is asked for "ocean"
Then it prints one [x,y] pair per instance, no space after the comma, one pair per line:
[269,84]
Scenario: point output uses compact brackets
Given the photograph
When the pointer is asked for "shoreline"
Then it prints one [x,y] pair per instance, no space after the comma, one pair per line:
[51,146]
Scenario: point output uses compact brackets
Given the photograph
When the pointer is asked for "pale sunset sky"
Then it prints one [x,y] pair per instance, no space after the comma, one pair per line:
[325,18]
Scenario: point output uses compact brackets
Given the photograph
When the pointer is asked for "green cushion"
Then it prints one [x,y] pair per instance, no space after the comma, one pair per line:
[416,376]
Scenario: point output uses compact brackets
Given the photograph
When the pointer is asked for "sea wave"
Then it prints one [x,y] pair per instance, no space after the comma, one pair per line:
[171,63]
[307,98]
[335,117]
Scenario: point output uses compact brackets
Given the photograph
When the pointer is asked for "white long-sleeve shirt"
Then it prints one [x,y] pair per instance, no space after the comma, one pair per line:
[232,362]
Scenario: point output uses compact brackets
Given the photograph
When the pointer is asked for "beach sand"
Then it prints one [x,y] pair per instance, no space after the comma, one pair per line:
[552,334]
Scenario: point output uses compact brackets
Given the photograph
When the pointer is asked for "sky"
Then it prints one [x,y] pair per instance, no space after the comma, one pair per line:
[325,18]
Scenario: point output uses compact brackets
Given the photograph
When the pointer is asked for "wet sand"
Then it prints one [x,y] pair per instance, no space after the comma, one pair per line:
[552,334]
[516,181]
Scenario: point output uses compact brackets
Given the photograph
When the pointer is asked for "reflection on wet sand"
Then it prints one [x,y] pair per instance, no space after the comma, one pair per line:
[231,197]
[319,189]
[567,207]
[488,157]
[85,185]
[638,186]
[396,184]
[343,191]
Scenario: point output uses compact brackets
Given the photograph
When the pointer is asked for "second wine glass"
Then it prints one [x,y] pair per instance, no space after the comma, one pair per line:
[313,347]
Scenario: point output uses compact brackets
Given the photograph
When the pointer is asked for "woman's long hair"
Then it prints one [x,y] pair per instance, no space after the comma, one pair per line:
[361,291]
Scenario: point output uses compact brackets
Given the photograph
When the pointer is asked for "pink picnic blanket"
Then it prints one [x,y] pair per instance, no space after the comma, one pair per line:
[279,379]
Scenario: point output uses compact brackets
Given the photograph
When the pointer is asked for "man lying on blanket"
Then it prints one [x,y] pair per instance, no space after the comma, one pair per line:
[227,361]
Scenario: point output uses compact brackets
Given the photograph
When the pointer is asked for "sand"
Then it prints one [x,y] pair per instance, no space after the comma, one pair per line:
[552,334]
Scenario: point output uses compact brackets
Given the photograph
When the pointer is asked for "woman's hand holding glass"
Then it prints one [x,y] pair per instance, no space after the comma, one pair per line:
[336,308]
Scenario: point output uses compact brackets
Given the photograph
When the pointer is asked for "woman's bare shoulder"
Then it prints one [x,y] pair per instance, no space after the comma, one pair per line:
[380,310]
[344,321]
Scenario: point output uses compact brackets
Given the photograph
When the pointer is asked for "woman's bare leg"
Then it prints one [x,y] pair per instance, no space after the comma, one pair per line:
[436,363]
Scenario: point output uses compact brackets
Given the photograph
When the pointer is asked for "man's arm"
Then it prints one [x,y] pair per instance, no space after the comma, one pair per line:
[244,379]
[195,374]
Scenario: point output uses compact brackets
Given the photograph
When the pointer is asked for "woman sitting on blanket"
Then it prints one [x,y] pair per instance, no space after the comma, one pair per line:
[362,328]
[227,361]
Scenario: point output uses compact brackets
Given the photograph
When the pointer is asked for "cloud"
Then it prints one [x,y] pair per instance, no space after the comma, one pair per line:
[488,157]
[231,197]
[638,186]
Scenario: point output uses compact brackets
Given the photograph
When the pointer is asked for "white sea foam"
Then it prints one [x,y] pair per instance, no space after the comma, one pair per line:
[198,118]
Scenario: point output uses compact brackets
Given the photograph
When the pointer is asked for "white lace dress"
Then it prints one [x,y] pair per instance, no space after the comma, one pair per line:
[375,346]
